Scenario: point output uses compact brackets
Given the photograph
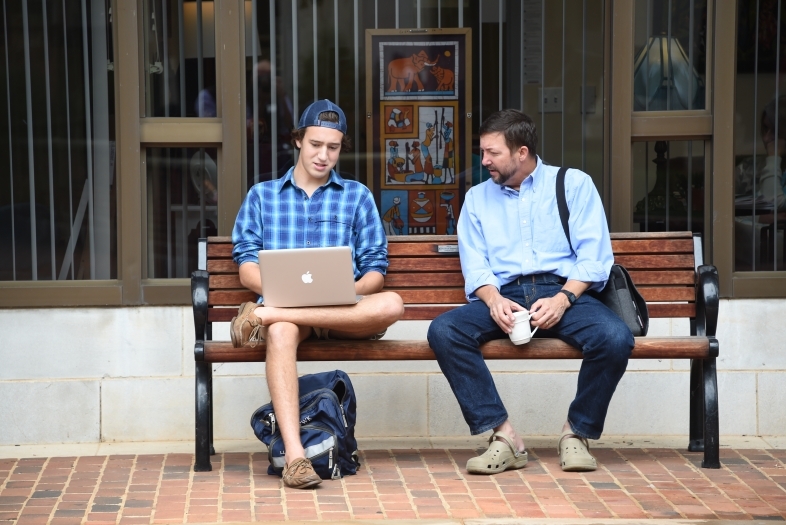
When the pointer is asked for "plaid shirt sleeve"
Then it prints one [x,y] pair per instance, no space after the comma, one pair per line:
[371,244]
[247,234]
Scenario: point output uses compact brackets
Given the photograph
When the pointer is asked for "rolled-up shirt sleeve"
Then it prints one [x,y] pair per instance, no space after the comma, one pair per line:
[247,235]
[472,251]
[371,243]
[589,234]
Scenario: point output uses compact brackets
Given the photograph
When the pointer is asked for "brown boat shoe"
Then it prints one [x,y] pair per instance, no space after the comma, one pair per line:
[300,474]
[245,328]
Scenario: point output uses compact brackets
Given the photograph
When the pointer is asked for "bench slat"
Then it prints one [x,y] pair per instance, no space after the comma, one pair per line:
[673,277]
[229,298]
[225,281]
[651,235]
[394,280]
[440,239]
[647,262]
[221,266]
[410,249]
[433,296]
[425,264]
[389,350]
[223,250]
[222,315]
[667,310]
[455,279]
[621,246]
[425,312]
[667,294]
[219,239]
[627,246]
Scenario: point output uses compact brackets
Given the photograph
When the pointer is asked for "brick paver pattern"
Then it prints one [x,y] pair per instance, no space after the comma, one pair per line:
[392,484]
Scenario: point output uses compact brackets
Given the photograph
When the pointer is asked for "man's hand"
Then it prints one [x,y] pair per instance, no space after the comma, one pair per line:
[548,311]
[500,308]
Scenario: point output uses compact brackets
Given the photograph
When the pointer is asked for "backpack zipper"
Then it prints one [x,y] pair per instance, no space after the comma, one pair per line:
[343,415]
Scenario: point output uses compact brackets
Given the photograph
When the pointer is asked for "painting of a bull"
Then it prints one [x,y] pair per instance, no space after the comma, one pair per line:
[403,71]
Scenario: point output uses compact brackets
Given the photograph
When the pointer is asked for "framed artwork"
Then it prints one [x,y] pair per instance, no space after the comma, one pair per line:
[418,92]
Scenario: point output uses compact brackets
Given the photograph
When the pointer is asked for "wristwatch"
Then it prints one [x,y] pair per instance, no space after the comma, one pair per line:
[570,295]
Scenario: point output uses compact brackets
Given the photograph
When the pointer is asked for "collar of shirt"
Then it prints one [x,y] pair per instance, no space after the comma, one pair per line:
[289,179]
[532,181]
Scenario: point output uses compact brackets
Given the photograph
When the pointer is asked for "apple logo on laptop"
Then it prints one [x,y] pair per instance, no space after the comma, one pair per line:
[307,278]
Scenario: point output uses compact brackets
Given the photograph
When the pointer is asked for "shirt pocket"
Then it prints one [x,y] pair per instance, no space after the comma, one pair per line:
[335,232]
[549,234]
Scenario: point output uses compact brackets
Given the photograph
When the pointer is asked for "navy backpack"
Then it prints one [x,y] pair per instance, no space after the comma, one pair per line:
[327,426]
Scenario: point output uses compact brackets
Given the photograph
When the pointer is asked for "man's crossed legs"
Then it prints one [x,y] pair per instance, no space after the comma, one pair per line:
[283,329]
[603,338]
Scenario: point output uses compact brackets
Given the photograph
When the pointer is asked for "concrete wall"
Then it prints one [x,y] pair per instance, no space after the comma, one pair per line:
[127,374]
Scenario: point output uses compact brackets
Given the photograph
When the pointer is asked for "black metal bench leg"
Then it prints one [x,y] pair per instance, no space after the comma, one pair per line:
[711,427]
[209,337]
[210,411]
[203,378]
[696,438]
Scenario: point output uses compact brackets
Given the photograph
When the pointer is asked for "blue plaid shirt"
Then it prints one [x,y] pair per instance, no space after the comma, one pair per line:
[277,214]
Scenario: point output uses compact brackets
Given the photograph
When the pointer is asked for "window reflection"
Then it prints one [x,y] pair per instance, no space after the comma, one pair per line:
[57,142]
[670,55]
[180,63]
[760,138]
[182,198]
[668,186]
[269,124]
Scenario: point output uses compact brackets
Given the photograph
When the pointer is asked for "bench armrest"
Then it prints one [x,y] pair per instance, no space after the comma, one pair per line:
[707,300]
[199,289]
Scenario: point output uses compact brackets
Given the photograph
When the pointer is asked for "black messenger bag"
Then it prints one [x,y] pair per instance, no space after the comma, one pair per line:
[620,294]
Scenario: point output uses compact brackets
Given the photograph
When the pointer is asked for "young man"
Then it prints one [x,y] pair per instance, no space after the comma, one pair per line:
[311,206]
[515,256]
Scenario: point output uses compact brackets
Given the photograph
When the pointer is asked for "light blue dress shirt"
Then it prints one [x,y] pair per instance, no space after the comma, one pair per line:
[504,233]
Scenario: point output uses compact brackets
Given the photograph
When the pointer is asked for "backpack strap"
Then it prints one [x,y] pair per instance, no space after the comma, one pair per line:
[562,204]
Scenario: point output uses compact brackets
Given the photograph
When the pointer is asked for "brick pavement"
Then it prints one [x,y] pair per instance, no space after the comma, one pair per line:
[631,483]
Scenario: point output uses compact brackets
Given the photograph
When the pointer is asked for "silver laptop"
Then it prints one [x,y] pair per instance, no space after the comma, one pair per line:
[308,277]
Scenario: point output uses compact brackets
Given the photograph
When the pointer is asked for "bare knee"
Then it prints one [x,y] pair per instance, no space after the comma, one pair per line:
[391,307]
[282,338]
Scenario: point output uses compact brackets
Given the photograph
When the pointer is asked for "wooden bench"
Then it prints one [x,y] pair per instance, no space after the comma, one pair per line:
[425,271]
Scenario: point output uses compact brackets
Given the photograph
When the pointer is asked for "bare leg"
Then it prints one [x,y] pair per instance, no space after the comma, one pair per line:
[373,314]
[281,371]
[507,429]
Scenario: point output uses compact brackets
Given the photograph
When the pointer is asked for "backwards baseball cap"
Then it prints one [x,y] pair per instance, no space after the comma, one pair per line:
[310,116]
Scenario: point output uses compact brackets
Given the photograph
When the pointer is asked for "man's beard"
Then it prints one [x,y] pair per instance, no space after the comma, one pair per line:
[502,178]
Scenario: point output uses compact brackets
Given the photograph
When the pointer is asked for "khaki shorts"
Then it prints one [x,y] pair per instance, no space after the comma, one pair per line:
[322,333]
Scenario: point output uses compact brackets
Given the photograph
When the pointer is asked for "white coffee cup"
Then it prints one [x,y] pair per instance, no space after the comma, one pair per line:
[522,331]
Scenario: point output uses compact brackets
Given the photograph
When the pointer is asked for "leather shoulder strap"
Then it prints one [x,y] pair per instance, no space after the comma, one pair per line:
[562,203]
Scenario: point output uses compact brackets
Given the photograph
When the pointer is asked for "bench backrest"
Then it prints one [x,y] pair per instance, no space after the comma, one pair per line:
[425,271]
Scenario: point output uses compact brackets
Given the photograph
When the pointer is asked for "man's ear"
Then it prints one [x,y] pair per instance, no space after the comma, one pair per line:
[523,153]
[298,144]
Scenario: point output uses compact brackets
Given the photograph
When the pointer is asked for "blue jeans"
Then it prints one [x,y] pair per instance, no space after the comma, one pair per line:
[603,338]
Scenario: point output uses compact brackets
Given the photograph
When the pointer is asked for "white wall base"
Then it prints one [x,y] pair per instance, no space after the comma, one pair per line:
[127,374]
